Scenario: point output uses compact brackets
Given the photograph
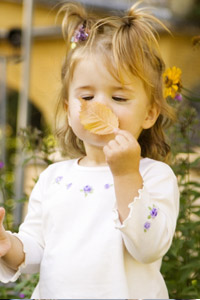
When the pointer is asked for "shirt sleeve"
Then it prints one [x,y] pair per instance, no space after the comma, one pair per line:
[30,234]
[149,228]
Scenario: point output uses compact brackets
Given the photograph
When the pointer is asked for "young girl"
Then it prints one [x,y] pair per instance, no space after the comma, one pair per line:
[99,224]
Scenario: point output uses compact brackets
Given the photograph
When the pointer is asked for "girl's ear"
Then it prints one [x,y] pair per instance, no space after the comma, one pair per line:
[152,115]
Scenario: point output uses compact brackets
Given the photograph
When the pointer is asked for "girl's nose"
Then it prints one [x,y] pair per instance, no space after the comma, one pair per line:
[107,102]
[103,100]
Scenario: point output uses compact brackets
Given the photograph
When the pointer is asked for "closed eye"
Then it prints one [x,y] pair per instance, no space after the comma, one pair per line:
[120,99]
[87,98]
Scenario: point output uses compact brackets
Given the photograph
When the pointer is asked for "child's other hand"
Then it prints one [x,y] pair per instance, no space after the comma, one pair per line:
[123,154]
[5,243]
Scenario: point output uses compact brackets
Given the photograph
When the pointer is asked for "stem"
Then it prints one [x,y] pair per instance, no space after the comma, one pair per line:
[187,179]
[195,99]
[189,91]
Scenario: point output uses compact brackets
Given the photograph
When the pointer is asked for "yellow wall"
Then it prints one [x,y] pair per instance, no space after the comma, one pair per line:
[47,55]
[46,58]
[179,51]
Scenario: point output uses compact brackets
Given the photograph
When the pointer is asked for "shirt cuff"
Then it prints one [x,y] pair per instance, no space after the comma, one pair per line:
[117,221]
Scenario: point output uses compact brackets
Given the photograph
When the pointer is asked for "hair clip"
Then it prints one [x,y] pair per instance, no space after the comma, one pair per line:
[80,34]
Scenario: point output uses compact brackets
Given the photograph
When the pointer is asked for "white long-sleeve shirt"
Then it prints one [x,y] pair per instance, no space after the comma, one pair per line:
[72,234]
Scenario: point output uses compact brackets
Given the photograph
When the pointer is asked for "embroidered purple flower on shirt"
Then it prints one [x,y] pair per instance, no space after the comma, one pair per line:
[58,179]
[107,186]
[152,215]
[68,185]
[87,189]
[147,225]
[153,212]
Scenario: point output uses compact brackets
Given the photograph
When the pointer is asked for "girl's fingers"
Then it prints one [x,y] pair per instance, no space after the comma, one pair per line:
[120,139]
[112,144]
[124,133]
[107,151]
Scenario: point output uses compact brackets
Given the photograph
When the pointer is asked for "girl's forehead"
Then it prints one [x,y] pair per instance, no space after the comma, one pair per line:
[98,67]
[91,67]
[91,73]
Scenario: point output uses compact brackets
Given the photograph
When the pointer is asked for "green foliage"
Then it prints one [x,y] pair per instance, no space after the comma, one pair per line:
[37,146]
[22,288]
[37,149]
[25,285]
[181,264]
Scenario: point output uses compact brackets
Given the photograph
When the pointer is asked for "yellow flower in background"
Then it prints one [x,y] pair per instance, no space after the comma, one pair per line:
[172,82]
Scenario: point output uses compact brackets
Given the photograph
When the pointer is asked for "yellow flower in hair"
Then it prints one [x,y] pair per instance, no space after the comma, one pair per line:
[172,82]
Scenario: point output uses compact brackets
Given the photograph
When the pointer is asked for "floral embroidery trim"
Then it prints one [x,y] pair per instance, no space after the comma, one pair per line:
[107,186]
[58,179]
[68,185]
[147,225]
[152,215]
[87,189]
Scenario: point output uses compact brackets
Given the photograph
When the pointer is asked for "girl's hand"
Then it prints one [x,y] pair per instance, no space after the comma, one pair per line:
[123,154]
[5,243]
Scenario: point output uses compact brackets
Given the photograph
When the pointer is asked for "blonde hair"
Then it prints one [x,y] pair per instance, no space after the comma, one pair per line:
[128,44]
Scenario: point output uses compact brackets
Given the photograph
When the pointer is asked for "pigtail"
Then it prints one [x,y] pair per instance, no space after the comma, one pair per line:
[75,16]
[136,41]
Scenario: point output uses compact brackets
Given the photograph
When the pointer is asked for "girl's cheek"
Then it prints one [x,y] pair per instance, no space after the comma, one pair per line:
[74,111]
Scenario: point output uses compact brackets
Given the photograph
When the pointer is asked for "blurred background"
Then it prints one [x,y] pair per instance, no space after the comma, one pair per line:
[31,55]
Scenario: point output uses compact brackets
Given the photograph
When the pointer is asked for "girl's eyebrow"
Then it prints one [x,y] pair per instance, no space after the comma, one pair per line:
[89,87]
[125,89]
[85,87]
[122,88]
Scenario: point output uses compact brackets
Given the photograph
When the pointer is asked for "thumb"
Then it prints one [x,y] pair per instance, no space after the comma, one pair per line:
[2,215]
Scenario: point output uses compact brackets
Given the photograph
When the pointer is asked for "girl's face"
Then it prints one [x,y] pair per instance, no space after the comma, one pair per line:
[129,102]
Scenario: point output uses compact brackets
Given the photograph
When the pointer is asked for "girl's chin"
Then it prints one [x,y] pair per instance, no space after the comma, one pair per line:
[98,140]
